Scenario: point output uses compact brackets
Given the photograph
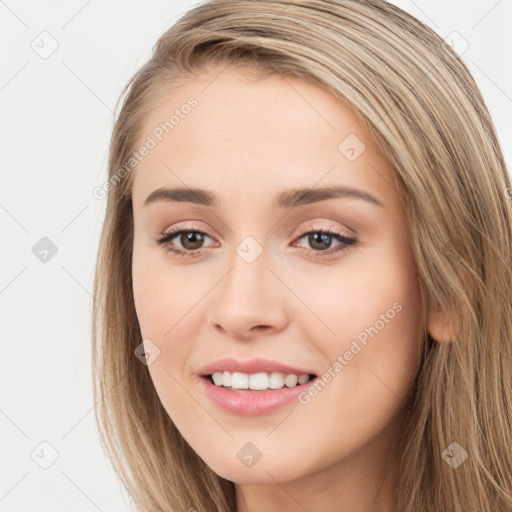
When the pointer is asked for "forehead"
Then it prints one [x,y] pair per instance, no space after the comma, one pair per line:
[228,129]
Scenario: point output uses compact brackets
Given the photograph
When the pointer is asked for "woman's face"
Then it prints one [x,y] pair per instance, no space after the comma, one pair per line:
[269,273]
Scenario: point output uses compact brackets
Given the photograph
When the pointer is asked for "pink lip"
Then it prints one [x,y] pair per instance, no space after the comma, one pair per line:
[251,403]
[248,402]
[250,366]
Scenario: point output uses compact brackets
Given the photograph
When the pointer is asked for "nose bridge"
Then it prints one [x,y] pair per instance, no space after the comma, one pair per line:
[248,296]
[248,279]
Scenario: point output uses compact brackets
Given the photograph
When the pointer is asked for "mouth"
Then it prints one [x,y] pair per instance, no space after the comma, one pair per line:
[254,387]
[236,395]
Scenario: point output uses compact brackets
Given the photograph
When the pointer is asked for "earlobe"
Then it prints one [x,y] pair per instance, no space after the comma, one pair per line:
[441,327]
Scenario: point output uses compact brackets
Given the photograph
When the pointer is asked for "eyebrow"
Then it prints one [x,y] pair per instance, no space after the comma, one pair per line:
[286,199]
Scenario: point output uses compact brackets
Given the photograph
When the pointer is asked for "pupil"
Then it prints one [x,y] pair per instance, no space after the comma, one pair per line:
[191,237]
[322,238]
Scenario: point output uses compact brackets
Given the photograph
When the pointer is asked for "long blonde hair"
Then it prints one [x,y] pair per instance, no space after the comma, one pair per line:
[423,107]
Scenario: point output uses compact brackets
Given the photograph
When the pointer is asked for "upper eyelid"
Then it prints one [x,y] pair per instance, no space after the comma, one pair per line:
[305,228]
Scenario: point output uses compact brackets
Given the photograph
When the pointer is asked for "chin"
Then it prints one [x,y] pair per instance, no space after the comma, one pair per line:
[261,471]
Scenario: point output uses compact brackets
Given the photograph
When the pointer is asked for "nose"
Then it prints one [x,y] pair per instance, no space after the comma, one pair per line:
[249,301]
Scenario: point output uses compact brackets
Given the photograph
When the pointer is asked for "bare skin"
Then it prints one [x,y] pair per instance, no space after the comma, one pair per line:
[247,141]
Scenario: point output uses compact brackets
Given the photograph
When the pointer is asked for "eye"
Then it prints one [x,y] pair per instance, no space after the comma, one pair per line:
[320,241]
[191,241]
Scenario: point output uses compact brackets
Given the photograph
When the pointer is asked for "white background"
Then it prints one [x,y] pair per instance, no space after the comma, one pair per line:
[56,119]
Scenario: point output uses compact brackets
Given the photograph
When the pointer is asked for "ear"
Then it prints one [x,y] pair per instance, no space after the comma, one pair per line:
[442,327]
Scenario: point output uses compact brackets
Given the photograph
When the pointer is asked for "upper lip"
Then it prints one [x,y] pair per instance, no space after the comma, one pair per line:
[250,366]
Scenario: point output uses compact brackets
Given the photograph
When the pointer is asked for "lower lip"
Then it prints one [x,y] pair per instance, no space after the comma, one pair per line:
[252,403]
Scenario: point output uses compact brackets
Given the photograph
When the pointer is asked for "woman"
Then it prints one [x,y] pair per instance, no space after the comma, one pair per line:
[303,293]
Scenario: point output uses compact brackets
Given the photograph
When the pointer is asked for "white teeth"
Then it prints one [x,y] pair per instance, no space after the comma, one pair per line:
[303,379]
[276,380]
[239,380]
[258,381]
[226,379]
[291,380]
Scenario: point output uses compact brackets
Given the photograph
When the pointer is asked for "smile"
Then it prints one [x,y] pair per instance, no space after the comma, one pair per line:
[254,394]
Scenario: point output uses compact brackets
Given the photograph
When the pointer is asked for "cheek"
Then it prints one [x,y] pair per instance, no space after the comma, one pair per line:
[168,314]
[367,317]
[372,295]
[375,313]
[164,302]
[163,295]
[169,305]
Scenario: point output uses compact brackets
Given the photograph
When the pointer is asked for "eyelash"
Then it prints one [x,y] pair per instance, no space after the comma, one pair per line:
[346,241]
